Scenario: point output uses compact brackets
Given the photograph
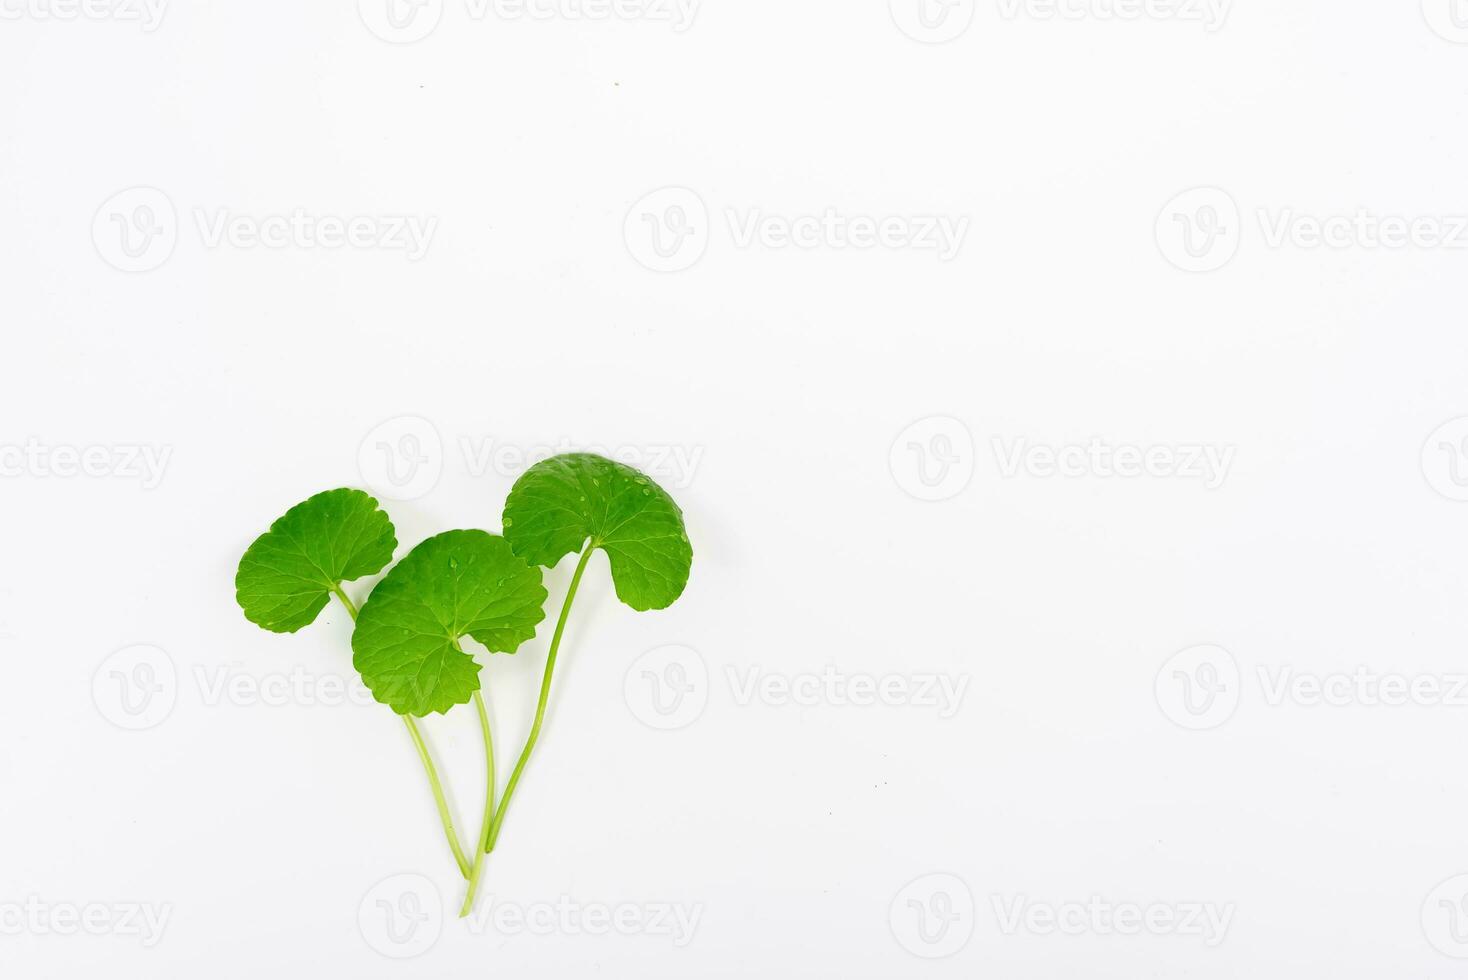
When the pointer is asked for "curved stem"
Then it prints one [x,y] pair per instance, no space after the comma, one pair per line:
[433,781]
[550,666]
[483,848]
[351,607]
[438,797]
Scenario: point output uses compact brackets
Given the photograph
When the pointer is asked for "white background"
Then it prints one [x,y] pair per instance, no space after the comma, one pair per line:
[1068,772]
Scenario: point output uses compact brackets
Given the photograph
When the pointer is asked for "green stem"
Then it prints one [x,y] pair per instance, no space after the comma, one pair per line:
[351,607]
[550,666]
[438,797]
[433,781]
[483,848]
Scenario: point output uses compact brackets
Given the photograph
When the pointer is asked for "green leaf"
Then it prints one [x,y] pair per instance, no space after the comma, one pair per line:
[460,583]
[287,576]
[559,504]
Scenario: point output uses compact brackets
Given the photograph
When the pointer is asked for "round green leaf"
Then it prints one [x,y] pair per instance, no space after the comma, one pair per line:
[287,576]
[460,583]
[560,503]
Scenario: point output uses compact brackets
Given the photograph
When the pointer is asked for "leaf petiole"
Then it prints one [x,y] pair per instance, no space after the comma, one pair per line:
[550,667]
[438,797]
[423,754]
[482,850]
